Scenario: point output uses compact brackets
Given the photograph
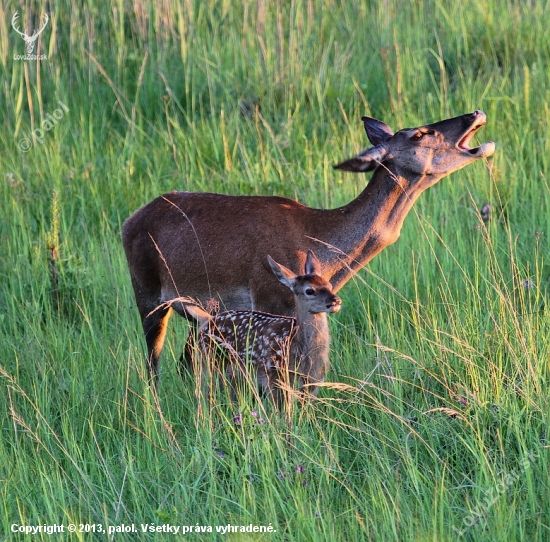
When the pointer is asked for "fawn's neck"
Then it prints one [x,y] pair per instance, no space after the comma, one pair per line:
[312,332]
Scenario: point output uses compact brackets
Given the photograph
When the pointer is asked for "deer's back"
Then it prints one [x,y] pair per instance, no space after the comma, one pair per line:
[215,246]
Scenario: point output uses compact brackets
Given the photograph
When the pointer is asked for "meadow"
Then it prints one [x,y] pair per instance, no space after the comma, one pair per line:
[433,422]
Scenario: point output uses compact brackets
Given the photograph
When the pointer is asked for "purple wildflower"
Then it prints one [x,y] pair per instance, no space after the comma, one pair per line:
[300,469]
[238,419]
[528,283]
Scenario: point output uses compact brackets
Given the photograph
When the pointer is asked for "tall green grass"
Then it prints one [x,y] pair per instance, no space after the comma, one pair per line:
[437,400]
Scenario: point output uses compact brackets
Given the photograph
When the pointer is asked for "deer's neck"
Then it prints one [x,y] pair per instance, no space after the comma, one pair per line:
[371,222]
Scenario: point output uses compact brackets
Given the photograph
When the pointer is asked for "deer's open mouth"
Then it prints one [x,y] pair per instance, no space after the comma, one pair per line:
[463,144]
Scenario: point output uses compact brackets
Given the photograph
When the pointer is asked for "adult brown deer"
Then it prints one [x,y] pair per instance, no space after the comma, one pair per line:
[274,345]
[208,246]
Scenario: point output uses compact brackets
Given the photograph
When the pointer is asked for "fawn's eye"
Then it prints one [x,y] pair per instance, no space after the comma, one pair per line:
[310,291]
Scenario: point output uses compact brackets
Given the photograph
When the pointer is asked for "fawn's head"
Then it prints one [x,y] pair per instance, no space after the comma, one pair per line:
[311,290]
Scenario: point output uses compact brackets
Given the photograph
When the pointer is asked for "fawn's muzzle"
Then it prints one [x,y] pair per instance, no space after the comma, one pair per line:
[334,304]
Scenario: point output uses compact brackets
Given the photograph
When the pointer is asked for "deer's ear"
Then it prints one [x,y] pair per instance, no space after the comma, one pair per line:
[377,131]
[313,265]
[283,274]
[364,161]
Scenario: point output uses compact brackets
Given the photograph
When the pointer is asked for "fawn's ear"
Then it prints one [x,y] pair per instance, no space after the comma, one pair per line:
[283,274]
[313,265]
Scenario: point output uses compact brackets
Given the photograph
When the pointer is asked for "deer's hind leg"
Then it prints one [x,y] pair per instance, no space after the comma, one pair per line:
[154,327]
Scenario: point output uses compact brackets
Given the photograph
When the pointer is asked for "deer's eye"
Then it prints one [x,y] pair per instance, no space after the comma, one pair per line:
[310,291]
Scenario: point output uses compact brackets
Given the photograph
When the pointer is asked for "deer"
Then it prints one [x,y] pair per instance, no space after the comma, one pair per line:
[274,345]
[214,246]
